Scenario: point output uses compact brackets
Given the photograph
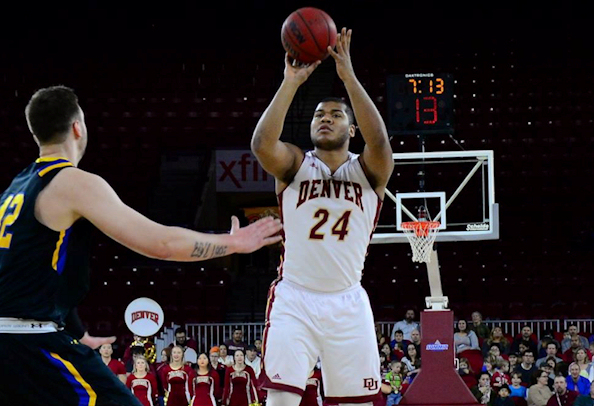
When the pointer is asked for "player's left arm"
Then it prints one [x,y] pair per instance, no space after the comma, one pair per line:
[377,154]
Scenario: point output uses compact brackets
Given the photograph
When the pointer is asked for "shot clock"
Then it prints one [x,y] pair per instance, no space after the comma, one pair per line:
[420,103]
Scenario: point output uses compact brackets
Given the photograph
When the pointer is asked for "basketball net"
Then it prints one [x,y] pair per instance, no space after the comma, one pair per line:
[421,235]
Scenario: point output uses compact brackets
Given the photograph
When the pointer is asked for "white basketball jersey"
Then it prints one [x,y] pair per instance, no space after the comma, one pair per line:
[328,220]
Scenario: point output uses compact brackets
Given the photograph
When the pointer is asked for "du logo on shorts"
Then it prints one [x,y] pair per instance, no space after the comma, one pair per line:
[370,384]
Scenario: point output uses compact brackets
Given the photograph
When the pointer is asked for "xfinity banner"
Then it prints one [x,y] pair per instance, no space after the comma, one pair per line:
[239,171]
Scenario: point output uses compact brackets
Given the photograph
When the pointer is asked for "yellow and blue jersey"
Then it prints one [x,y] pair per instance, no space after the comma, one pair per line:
[43,273]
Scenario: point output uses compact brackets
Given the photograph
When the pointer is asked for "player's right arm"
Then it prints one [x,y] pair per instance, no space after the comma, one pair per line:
[280,159]
[74,193]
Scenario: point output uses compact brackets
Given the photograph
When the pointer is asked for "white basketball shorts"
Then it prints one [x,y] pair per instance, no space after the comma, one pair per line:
[337,327]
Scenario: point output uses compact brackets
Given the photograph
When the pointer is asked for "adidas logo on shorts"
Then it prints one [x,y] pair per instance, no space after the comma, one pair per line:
[277,376]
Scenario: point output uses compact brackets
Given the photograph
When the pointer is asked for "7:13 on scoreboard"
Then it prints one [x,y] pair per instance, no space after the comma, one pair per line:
[420,103]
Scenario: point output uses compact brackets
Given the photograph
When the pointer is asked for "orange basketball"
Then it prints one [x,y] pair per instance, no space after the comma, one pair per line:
[307,33]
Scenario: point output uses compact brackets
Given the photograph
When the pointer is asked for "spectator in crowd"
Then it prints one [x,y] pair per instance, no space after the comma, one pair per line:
[551,351]
[406,326]
[189,346]
[313,393]
[466,373]
[387,352]
[415,338]
[516,388]
[240,383]
[398,344]
[525,338]
[394,380]
[464,338]
[206,386]
[581,359]
[384,364]
[495,354]
[488,367]
[501,374]
[236,342]
[585,400]
[483,392]
[503,398]
[569,355]
[539,393]
[165,357]
[527,367]
[224,357]
[253,360]
[573,331]
[117,367]
[143,383]
[551,367]
[181,339]
[480,329]
[562,396]
[381,338]
[216,366]
[177,378]
[412,359]
[576,382]
[547,337]
[258,344]
[513,359]
[496,337]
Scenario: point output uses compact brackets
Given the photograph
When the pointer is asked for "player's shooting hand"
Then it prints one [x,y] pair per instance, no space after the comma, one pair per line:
[296,72]
[256,235]
[96,342]
[342,55]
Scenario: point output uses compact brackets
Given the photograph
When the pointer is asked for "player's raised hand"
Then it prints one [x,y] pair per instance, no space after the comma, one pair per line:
[342,55]
[296,72]
[256,235]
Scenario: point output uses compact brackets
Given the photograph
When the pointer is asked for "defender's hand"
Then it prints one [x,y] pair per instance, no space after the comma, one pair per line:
[342,55]
[256,235]
[96,342]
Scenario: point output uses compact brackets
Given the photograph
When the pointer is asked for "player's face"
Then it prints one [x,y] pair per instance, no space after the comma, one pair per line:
[330,128]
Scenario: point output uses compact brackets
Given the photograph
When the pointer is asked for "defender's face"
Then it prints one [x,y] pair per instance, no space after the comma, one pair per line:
[82,127]
[330,128]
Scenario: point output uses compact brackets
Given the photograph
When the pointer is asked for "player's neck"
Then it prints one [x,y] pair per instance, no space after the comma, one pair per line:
[333,159]
[63,150]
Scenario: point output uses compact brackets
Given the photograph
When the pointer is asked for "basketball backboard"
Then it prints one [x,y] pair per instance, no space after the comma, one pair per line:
[456,188]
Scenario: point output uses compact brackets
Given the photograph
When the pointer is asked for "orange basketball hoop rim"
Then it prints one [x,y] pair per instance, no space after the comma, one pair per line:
[421,235]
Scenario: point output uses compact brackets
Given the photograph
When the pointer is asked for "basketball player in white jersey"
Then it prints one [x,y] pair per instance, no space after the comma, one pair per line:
[330,201]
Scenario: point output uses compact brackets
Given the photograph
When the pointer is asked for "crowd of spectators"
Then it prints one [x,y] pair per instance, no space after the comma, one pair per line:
[498,369]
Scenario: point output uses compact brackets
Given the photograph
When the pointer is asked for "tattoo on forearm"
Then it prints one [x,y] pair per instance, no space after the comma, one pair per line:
[203,250]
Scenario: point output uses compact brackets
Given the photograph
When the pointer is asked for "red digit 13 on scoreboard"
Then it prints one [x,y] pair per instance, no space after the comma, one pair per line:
[426,105]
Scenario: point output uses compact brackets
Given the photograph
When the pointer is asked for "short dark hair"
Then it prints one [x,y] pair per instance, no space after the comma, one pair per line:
[347,107]
[180,330]
[398,332]
[50,112]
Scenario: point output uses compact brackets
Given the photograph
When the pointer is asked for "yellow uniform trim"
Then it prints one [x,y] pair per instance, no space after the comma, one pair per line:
[50,159]
[57,251]
[56,166]
[79,379]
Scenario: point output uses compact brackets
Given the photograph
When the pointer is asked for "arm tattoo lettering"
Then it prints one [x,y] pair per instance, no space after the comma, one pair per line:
[201,250]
